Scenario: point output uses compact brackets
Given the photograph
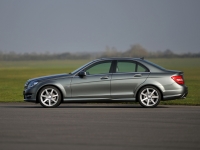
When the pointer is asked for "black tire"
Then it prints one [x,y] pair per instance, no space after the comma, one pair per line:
[149,96]
[49,97]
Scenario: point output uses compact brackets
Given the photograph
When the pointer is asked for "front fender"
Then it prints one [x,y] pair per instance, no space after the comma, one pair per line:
[64,89]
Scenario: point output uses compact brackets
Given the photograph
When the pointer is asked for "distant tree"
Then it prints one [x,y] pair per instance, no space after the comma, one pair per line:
[136,51]
[113,52]
[168,53]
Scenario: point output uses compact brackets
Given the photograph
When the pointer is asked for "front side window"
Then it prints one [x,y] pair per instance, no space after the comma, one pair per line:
[101,68]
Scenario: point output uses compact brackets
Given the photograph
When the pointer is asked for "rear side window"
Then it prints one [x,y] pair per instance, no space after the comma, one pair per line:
[140,68]
[126,67]
[129,66]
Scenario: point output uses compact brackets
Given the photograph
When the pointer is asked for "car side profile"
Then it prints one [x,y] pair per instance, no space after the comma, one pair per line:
[109,80]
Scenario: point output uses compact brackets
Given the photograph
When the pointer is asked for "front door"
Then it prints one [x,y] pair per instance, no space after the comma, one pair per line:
[96,84]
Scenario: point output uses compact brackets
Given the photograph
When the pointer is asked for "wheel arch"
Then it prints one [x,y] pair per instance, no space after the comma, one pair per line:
[156,86]
[53,85]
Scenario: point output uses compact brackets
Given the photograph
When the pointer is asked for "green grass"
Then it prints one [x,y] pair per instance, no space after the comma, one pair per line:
[13,75]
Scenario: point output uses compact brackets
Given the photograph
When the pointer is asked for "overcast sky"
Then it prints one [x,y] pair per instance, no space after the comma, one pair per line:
[91,25]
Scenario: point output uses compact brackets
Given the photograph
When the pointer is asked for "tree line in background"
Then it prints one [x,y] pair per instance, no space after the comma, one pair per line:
[135,51]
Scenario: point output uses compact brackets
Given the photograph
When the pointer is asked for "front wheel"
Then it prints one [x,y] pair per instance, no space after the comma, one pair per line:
[149,96]
[49,97]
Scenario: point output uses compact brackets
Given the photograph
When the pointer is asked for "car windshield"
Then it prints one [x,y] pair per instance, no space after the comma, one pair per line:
[77,70]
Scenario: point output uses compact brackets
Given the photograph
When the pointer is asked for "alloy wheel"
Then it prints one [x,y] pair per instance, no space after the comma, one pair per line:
[50,97]
[149,97]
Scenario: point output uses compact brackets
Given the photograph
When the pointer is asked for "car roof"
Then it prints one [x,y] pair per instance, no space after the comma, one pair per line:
[121,58]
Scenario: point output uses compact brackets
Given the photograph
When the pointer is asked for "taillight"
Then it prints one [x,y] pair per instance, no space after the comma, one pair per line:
[178,79]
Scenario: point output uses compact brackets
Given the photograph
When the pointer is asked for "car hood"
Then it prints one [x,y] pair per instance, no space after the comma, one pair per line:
[50,77]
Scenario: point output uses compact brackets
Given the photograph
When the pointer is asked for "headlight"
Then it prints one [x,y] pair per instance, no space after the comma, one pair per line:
[31,84]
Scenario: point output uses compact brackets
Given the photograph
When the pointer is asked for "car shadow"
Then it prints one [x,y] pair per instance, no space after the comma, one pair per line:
[79,106]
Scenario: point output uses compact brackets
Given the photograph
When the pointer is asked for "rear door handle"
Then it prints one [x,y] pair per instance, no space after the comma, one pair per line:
[137,75]
[104,78]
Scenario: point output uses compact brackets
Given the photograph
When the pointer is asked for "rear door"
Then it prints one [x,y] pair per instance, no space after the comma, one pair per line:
[127,76]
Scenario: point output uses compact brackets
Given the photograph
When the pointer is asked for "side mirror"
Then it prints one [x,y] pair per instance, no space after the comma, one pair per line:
[82,74]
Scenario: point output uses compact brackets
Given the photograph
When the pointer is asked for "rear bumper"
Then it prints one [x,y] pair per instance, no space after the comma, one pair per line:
[178,94]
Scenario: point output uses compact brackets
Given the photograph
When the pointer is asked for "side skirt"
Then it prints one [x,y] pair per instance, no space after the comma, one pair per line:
[97,100]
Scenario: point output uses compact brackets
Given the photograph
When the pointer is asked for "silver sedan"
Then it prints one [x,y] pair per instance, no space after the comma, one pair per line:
[109,80]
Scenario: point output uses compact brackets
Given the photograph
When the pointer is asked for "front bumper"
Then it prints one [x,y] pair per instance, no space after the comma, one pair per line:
[29,96]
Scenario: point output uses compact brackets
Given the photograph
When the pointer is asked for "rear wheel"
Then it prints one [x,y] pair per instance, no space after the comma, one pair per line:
[49,97]
[149,96]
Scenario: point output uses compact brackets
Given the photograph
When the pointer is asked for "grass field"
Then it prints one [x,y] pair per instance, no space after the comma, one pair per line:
[13,75]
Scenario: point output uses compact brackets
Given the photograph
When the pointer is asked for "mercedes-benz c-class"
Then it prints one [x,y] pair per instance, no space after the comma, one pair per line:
[109,80]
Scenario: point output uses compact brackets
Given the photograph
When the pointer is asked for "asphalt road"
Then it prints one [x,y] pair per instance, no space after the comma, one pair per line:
[99,127]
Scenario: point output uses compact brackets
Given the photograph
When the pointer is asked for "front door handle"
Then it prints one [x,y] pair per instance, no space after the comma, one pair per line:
[137,75]
[104,78]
